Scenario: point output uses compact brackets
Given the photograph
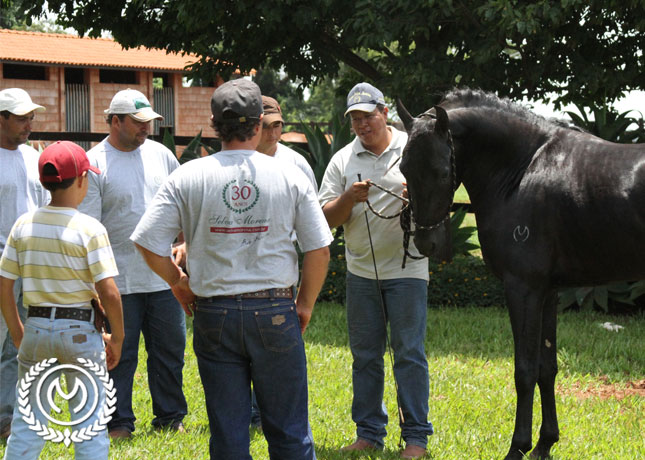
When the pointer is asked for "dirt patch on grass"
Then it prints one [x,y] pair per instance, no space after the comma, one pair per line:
[606,390]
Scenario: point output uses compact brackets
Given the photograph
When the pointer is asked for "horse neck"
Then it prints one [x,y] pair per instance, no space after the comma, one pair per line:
[492,152]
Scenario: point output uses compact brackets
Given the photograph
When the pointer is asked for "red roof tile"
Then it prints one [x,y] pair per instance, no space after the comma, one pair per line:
[71,50]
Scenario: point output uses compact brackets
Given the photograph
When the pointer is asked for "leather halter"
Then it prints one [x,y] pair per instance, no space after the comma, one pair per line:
[453,167]
[406,216]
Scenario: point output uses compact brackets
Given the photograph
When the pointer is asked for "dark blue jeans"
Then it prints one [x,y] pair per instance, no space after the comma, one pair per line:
[406,307]
[161,319]
[239,341]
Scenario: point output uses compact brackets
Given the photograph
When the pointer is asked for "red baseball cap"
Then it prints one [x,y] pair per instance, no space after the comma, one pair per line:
[68,158]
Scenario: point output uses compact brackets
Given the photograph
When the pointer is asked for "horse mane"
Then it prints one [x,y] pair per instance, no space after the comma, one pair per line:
[476,98]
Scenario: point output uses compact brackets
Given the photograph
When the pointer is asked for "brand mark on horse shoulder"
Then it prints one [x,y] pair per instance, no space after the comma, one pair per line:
[521,234]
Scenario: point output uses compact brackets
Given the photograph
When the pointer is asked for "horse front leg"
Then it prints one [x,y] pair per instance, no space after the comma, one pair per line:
[549,431]
[525,305]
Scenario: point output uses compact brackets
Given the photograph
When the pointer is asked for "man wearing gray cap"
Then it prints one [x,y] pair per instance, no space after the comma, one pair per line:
[374,155]
[21,192]
[238,210]
[132,169]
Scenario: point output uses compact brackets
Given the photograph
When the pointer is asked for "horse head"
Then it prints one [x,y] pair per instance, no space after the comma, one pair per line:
[428,166]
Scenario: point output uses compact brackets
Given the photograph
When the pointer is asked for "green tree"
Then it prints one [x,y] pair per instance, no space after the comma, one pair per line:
[417,49]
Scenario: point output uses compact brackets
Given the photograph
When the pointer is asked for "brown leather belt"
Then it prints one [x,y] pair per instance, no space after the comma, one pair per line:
[80,314]
[274,293]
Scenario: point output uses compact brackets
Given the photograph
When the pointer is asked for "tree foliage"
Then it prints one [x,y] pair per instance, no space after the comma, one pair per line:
[581,50]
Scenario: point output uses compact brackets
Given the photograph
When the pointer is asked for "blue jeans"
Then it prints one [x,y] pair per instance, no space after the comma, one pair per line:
[406,307]
[161,319]
[66,340]
[9,362]
[239,341]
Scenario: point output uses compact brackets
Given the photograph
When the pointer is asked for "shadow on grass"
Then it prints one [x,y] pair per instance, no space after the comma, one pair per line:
[584,347]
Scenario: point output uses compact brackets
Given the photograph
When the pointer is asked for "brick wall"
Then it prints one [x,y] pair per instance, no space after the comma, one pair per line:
[195,111]
[192,105]
[45,93]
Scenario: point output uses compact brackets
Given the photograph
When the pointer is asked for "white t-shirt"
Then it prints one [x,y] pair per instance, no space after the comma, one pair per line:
[387,235]
[237,210]
[118,198]
[20,187]
[284,153]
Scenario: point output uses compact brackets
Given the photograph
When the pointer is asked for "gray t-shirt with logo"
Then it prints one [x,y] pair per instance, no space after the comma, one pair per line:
[237,210]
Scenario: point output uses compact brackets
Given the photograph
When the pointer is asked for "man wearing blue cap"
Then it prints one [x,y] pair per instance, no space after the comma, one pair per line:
[374,154]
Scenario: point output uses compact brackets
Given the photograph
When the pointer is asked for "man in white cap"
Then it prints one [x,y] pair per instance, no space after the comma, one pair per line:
[21,192]
[132,169]
[402,293]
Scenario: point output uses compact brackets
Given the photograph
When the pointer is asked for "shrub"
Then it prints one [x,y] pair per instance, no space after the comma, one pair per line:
[466,282]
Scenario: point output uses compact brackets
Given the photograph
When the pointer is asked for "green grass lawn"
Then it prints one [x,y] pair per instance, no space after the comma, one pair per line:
[472,397]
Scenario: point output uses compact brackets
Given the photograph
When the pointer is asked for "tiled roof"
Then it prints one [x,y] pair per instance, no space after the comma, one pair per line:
[71,50]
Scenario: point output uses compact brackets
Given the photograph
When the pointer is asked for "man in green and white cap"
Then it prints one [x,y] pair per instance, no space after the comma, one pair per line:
[132,169]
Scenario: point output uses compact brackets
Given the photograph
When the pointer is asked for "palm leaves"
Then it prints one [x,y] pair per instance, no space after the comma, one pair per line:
[322,146]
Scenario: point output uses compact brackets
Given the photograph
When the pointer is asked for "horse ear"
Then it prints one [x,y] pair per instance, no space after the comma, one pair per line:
[405,116]
[441,127]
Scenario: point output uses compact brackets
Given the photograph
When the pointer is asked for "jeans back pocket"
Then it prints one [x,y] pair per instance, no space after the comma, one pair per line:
[279,328]
[208,325]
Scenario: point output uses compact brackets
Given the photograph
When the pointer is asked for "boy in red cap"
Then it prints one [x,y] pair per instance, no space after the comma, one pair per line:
[65,260]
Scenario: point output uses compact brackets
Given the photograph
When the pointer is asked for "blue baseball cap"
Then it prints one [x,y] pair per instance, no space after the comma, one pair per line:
[364,97]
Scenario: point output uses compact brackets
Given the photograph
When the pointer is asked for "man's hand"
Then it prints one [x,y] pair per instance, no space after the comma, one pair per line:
[179,254]
[304,315]
[358,191]
[186,297]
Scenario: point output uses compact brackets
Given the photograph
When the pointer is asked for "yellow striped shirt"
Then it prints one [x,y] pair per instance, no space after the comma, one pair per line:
[59,253]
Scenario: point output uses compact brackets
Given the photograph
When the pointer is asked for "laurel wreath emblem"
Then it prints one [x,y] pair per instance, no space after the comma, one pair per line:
[66,436]
[228,205]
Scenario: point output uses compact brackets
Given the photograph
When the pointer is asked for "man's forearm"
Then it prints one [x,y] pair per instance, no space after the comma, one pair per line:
[162,266]
[337,211]
[314,272]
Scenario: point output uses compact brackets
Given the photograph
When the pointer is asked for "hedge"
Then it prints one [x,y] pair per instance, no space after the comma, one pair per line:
[466,281]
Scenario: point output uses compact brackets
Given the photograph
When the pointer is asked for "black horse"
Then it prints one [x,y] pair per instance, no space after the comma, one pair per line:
[555,207]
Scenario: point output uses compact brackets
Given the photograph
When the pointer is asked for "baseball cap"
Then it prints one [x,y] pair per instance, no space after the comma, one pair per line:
[18,102]
[68,158]
[236,101]
[364,97]
[272,110]
[134,103]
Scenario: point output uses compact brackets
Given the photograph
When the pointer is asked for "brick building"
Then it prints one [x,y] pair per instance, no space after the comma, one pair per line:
[75,79]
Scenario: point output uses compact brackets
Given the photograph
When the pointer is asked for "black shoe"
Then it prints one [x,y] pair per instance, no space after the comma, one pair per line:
[174,426]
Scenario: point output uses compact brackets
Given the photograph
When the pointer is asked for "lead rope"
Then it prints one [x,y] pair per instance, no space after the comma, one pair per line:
[384,313]
[405,218]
